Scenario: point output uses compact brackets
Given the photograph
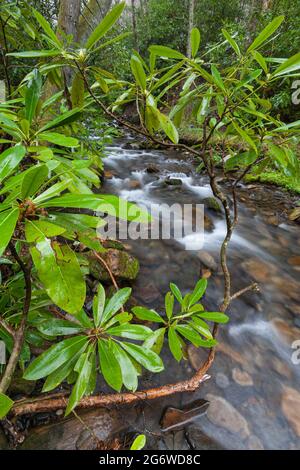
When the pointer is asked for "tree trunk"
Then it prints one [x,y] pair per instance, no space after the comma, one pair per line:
[92,14]
[67,24]
[133,16]
[190,26]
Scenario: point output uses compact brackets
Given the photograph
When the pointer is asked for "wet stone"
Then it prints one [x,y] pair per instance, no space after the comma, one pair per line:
[208,260]
[242,377]
[222,413]
[254,443]
[222,380]
[290,404]
[198,440]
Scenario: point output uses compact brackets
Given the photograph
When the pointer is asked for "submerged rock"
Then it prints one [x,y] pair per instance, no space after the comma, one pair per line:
[122,265]
[254,443]
[148,294]
[242,377]
[222,413]
[94,427]
[290,404]
[207,260]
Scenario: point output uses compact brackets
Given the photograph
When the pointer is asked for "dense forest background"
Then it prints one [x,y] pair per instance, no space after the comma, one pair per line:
[167,22]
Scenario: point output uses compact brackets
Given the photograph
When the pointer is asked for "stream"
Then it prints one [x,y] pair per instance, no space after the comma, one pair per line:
[254,389]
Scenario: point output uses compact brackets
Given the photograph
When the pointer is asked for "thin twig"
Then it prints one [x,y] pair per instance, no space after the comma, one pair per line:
[7,327]
[254,287]
[107,268]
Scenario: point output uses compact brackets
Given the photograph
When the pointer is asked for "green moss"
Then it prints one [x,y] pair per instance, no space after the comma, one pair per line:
[277,178]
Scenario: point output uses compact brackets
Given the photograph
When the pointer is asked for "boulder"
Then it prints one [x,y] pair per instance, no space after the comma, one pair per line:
[122,265]
[173,181]
[295,214]
[152,169]
[213,204]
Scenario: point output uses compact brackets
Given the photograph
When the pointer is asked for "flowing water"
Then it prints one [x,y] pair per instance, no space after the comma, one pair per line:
[254,389]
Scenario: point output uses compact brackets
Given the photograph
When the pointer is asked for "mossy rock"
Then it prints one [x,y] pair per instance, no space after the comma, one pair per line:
[213,204]
[20,386]
[122,265]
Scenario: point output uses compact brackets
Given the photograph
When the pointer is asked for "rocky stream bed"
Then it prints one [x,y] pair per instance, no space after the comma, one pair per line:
[254,389]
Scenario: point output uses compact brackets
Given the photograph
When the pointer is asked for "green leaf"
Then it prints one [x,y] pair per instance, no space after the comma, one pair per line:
[169,304]
[155,341]
[232,42]
[147,358]
[198,291]
[217,78]
[78,201]
[115,303]
[57,327]
[59,271]
[195,41]
[77,92]
[62,120]
[98,305]
[34,54]
[110,367]
[139,442]
[200,326]
[54,357]
[126,330]
[204,106]
[245,136]
[38,230]
[138,72]
[54,190]
[128,371]
[260,60]
[176,292]
[289,65]
[189,333]
[32,95]
[241,160]
[266,33]
[10,159]
[174,344]
[8,222]
[46,27]
[60,374]
[216,317]
[105,25]
[168,127]
[6,405]
[33,180]
[145,314]
[58,139]
[81,383]
[164,51]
